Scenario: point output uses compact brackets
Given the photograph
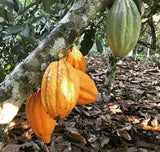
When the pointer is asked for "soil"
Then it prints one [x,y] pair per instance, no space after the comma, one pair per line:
[125,119]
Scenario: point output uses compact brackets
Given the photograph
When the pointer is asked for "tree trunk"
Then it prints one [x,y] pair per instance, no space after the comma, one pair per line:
[27,75]
[110,75]
[3,135]
[153,33]
[135,52]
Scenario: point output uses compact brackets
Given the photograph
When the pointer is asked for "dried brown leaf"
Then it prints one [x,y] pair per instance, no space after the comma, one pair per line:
[155,122]
[142,143]
[85,113]
[123,133]
[115,109]
[76,135]
[105,142]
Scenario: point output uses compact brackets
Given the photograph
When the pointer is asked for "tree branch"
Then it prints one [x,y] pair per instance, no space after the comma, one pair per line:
[153,33]
[154,4]
[145,44]
[27,75]
[154,8]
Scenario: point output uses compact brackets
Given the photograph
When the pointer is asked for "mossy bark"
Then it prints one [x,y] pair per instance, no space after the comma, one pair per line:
[3,135]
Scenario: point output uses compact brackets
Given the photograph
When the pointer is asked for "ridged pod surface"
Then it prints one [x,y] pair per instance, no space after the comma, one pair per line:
[123,26]
[41,123]
[88,90]
[76,59]
[60,89]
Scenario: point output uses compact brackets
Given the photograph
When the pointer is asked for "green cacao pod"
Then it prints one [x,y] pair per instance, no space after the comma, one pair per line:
[123,26]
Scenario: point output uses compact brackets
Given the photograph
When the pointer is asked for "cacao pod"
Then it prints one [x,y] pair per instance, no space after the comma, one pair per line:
[41,123]
[123,26]
[76,59]
[88,91]
[60,89]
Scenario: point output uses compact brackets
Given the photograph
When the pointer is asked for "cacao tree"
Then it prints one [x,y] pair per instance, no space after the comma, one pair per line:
[34,33]
[26,77]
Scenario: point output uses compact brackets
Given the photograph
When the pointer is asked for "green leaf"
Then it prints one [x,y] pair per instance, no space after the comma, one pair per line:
[88,40]
[3,3]
[60,6]
[2,14]
[1,28]
[15,29]
[47,5]
[6,15]
[99,46]
[8,67]
[9,4]
[62,12]
[25,32]
[9,16]
[28,2]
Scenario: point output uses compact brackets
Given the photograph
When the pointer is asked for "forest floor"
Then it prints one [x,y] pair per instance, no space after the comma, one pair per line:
[127,119]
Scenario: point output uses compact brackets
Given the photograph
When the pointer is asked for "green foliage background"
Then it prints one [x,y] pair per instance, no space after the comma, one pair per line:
[22,31]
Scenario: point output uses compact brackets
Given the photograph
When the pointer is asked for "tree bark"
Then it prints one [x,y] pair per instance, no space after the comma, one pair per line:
[153,33]
[135,50]
[27,75]
[110,75]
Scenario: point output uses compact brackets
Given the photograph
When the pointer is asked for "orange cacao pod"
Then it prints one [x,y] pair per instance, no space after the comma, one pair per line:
[76,59]
[41,123]
[60,89]
[88,90]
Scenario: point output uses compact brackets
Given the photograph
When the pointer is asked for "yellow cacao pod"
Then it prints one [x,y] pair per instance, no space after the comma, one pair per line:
[41,123]
[60,89]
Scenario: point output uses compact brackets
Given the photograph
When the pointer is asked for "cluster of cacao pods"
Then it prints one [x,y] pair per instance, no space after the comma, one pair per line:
[64,85]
